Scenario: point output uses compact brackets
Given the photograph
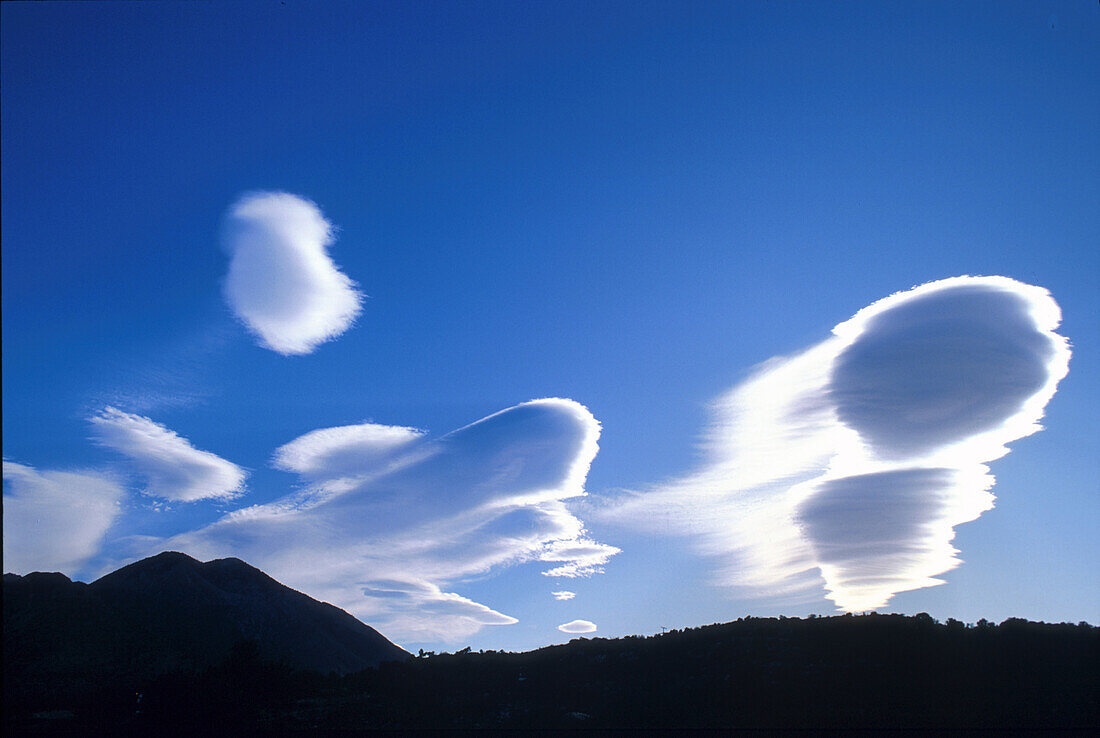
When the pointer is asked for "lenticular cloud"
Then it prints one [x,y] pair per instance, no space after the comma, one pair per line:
[850,463]
[173,468]
[578,626]
[388,520]
[282,283]
[330,453]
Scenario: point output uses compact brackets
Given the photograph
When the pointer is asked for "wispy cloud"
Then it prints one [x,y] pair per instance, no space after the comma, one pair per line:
[582,557]
[578,626]
[388,519]
[851,462]
[348,450]
[174,374]
[173,469]
[282,283]
[564,595]
[55,520]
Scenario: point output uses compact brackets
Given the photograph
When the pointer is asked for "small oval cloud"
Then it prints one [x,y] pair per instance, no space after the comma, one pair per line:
[578,626]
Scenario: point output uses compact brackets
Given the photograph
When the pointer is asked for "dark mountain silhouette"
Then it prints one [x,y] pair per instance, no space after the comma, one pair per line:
[170,613]
[874,672]
[172,646]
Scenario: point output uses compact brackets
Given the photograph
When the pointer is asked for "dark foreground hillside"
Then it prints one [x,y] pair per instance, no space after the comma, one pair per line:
[169,613]
[873,671]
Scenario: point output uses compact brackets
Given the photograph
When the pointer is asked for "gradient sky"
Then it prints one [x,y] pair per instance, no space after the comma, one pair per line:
[629,205]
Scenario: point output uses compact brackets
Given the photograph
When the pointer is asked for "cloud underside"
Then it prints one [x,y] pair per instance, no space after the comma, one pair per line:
[578,626]
[55,520]
[173,469]
[850,463]
[388,520]
[282,283]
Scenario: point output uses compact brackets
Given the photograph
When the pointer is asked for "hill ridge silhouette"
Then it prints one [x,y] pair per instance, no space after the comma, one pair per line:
[871,671]
[170,612]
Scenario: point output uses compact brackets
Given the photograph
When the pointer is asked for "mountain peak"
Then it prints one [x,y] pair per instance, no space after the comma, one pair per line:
[171,556]
[172,610]
[53,579]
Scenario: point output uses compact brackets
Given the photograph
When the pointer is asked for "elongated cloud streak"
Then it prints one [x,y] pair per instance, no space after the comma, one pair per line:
[853,461]
[54,520]
[388,518]
[330,453]
[282,283]
[173,468]
[582,557]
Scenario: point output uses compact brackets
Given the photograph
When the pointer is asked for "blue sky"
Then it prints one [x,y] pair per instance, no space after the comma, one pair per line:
[629,205]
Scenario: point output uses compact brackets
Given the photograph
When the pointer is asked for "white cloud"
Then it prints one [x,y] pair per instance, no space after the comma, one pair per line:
[172,467]
[850,463]
[564,595]
[282,283]
[330,453]
[423,612]
[53,520]
[578,626]
[389,521]
[582,557]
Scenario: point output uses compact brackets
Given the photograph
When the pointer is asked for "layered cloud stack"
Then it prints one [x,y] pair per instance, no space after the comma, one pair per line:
[387,517]
[852,461]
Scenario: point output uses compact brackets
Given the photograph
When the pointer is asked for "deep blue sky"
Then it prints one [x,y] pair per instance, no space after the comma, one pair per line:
[627,204]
